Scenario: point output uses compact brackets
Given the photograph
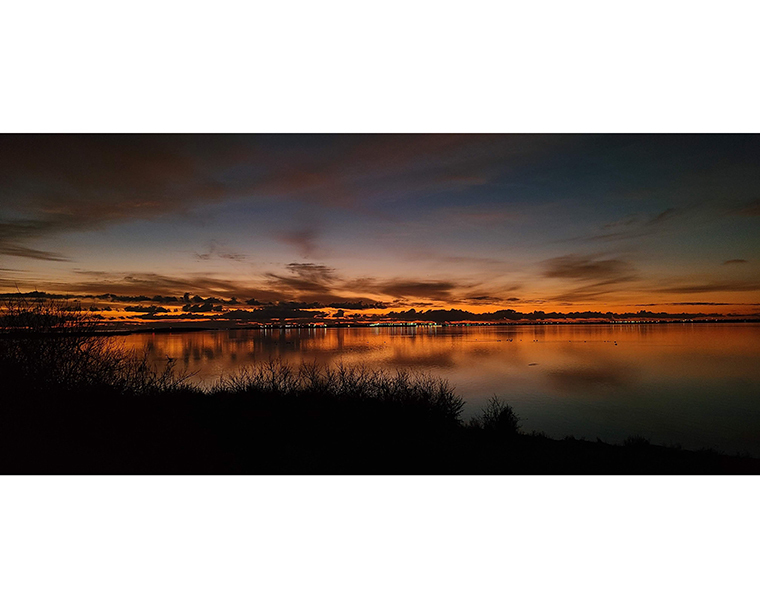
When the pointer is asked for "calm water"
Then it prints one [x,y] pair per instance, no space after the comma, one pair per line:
[693,384]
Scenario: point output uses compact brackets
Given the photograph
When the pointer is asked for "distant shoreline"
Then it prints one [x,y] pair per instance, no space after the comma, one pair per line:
[158,327]
[197,326]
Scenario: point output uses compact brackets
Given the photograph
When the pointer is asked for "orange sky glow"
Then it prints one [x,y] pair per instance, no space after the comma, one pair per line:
[558,223]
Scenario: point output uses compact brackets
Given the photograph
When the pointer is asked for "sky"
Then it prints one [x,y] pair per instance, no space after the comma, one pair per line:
[479,222]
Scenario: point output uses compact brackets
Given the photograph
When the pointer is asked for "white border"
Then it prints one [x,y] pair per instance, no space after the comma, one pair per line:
[378,67]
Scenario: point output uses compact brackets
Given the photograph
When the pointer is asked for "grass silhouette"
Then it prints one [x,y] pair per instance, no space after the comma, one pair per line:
[76,403]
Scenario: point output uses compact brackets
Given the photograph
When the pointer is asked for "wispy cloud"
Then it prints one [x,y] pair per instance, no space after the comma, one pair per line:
[21,251]
[147,283]
[63,183]
[710,286]
[751,209]
[665,216]
[14,233]
[402,288]
[317,281]
[584,268]
[697,304]
[312,281]
[304,240]
[215,250]
[635,226]
[592,278]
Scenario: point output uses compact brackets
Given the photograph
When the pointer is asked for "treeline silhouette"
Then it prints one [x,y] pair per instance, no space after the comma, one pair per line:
[455,314]
[75,402]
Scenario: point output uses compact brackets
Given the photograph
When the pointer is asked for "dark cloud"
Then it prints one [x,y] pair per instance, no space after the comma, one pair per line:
[75,182]
[303,240]
[585,268]
[696,304]
[296,304]
[712,286]
[235,257]
[482,299]
[322,283]
[663,217]
[312,272]
[272,312]
[630,220]
[15,232]
[61,183]
[204,307]
[128,175]
[302,280]
[214,250]
[586,293]
[636,226]
[312,281]
[21,251]
[146,309]
[359,305]
[167,317]
[403,288]
[751,209]
[347,170]
[595,278]
[315,284]
[437,290]
[147,282]
[735,261]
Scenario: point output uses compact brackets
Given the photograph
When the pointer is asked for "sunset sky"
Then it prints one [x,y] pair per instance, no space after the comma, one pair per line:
[480,222]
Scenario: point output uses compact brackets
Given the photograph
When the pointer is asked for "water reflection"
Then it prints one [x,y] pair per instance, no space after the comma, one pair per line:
[677,383]
[591,380]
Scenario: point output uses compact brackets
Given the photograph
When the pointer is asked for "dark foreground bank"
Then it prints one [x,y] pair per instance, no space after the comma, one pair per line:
[360,424]
[200,434]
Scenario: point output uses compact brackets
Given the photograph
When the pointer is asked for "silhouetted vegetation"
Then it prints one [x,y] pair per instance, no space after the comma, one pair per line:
[52,346]
[497,417]
[75,402]
[417,395]
[458,315]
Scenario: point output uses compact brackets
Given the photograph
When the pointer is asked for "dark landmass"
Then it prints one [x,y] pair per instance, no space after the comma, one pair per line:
[122,328]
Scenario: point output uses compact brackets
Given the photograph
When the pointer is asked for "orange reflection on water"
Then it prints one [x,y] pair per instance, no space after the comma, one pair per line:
[676,350]
[683,382]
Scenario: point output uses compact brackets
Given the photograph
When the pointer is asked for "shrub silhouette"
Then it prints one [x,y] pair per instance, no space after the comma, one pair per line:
[51,345]
[635,441]
[498,417]
[411,393]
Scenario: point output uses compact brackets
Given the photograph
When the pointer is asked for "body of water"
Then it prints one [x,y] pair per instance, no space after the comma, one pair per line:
[697,385]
